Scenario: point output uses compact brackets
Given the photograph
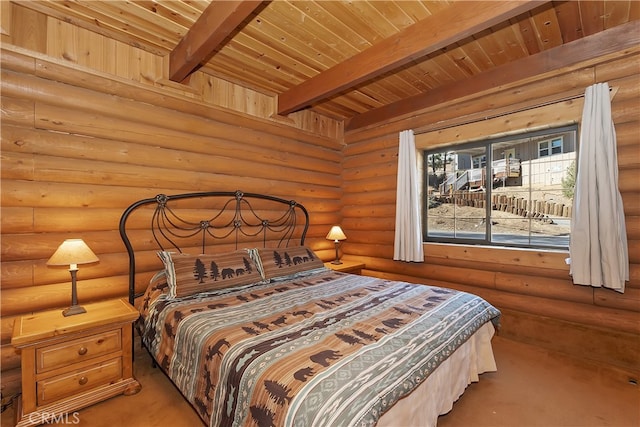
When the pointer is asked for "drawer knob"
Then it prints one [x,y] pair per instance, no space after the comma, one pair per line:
[82,351]
[83,380]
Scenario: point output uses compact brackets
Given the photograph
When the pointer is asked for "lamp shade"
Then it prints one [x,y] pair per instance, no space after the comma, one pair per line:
[72,251]
[336,234]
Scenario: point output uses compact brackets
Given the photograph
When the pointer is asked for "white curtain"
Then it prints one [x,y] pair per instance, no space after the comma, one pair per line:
[598,249]
[408,238]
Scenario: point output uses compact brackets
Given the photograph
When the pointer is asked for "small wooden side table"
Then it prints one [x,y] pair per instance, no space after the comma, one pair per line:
[353,267]
[72,362]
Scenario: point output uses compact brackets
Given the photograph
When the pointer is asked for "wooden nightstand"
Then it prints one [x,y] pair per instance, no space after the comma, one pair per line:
[346,266]
[72,362]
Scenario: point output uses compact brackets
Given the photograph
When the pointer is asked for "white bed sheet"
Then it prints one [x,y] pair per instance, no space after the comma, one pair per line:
[437,394]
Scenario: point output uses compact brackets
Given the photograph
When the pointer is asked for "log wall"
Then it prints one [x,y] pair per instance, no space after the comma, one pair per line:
[83,138]
[532,288]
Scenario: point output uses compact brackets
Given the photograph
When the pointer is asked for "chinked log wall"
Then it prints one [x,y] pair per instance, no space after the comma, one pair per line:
[532,288]
[79,146]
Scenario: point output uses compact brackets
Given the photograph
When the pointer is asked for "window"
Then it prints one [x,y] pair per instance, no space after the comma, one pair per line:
[514,191]
[550,147]
[479,161]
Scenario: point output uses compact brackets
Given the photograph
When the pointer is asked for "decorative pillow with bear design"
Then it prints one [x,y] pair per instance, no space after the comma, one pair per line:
[192,274]
[278,262]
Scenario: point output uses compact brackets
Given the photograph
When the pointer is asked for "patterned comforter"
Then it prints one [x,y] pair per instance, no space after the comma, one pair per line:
[322,348]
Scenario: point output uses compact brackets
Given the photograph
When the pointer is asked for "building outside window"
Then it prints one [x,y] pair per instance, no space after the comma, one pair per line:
[514,191]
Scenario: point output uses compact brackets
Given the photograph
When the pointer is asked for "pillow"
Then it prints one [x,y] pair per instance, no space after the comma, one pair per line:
[192,274]
[278,262]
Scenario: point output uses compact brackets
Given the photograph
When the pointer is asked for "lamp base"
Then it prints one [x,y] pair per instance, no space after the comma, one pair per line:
[336,261]
[74,309]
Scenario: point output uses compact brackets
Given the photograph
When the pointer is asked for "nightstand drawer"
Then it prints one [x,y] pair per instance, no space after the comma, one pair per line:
[51,389]
[70,352]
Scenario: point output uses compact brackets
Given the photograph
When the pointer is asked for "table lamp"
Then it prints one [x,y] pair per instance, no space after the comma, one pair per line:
[336,234]
[73,252]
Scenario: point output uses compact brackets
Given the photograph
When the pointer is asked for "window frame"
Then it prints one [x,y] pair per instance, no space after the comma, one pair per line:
[481,161]
[550,147]
[487,145]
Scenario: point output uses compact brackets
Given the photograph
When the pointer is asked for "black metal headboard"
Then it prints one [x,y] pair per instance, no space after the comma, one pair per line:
[232,219]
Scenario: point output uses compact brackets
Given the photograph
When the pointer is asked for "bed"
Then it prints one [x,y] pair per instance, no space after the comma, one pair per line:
[253,329]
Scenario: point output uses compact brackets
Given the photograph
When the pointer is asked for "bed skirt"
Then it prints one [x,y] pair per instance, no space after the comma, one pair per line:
[437,394]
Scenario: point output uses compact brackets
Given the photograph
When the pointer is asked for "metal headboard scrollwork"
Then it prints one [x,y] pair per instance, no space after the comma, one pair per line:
[233,218]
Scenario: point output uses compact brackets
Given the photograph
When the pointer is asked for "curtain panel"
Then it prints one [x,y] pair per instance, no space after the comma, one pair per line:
[408,232]
[598,249]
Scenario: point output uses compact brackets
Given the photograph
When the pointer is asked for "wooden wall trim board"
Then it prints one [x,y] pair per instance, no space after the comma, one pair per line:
[560,114]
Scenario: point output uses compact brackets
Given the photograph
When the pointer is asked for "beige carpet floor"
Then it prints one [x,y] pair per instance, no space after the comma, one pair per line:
[533,387]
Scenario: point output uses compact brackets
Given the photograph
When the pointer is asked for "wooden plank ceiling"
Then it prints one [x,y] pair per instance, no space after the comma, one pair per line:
[361,61]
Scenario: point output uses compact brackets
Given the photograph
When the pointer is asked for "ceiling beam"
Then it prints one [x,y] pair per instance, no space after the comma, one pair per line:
[207,35]
[456,22]
[609,41]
